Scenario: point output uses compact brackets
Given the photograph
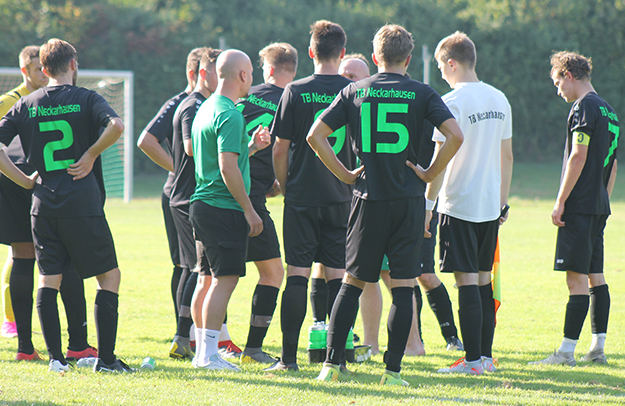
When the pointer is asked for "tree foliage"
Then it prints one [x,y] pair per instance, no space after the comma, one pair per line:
[514,39]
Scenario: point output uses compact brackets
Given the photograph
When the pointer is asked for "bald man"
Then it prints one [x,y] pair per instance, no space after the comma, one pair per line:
[354,67]
[221,212]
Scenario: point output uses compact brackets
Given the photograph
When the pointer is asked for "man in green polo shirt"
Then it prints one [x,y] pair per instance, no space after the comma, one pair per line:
[221,211]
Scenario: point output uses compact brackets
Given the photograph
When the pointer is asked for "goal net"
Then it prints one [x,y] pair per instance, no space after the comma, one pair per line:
[117,88]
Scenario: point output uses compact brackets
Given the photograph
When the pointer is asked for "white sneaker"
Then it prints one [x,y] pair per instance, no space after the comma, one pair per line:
[558,357]
[216,362]
[463,367]
[489,364]
[56,366]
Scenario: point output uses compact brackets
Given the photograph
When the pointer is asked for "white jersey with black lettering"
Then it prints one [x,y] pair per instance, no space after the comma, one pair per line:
[472,183]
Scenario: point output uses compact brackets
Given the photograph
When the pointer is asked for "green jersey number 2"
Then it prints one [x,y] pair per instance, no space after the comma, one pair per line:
[384,109]
[52,146]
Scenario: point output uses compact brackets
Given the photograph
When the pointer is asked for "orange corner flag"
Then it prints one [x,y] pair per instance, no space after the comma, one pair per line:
[496,281]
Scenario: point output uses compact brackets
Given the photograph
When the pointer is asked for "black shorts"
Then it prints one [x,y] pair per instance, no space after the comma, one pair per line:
[224,233]
[579,247]
[265,245]
[15,202]
[86,242]
[429,245]
[315,234]
[170,229]
[202,262]
[466,246]
[186,241]
[391,227]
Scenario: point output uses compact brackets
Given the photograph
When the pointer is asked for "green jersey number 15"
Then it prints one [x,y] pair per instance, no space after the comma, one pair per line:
[384,109]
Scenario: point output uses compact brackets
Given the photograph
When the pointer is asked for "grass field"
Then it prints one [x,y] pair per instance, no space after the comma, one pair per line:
[529,327]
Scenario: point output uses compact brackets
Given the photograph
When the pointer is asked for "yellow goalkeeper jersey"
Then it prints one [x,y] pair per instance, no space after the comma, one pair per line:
[11,97]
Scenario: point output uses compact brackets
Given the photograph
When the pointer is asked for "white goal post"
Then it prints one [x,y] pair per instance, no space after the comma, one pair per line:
[117,88]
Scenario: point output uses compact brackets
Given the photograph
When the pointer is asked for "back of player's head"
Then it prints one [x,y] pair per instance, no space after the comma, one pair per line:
[459,47]
[55,56]
[327,40]
[27,55]
[281,56]
[360,57]
[209,55]
[193,59]
[392,44]
[578,65]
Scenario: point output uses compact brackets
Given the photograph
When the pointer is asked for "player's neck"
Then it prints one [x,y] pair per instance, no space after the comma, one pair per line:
[582,89]
[327,67]
[464,76]
[61,80]
[229,90]
[279,80]
[31,88]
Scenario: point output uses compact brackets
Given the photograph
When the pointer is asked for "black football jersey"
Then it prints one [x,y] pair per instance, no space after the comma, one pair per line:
[595,118]
[183,185]
[162,128]
[259,108]
[309,182]
[56,125]
[388,116]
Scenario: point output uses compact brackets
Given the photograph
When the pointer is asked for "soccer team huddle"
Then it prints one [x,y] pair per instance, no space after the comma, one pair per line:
[363,162]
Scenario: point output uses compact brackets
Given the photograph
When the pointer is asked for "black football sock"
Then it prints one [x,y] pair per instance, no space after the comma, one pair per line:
[488,319]
[292,314]
[319,299]
[334,286]
[441,306]
[419,299]
[175,280]
[599,308]
[576,311]
[73,297]
[50,324]
[341,320]
[470,317]
[21,287]
[398,325]
[264,303]
[184,316]
[106,303]
[181,285]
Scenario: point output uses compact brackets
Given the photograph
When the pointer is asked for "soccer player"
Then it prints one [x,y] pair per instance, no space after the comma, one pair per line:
[353,67]
[221,211]
[583,205]
[475,187]
[63,130]
[30,68]
[183,186]
[16,230]
[279,64]
[385,114]
[316,204]
[155,142]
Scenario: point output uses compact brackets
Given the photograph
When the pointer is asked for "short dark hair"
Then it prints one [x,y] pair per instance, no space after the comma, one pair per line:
[392,44]
[209,55]
[27,54]
[459,47]
[327,40]
[280,55]
[578,65]
[193,59]
[55,56]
